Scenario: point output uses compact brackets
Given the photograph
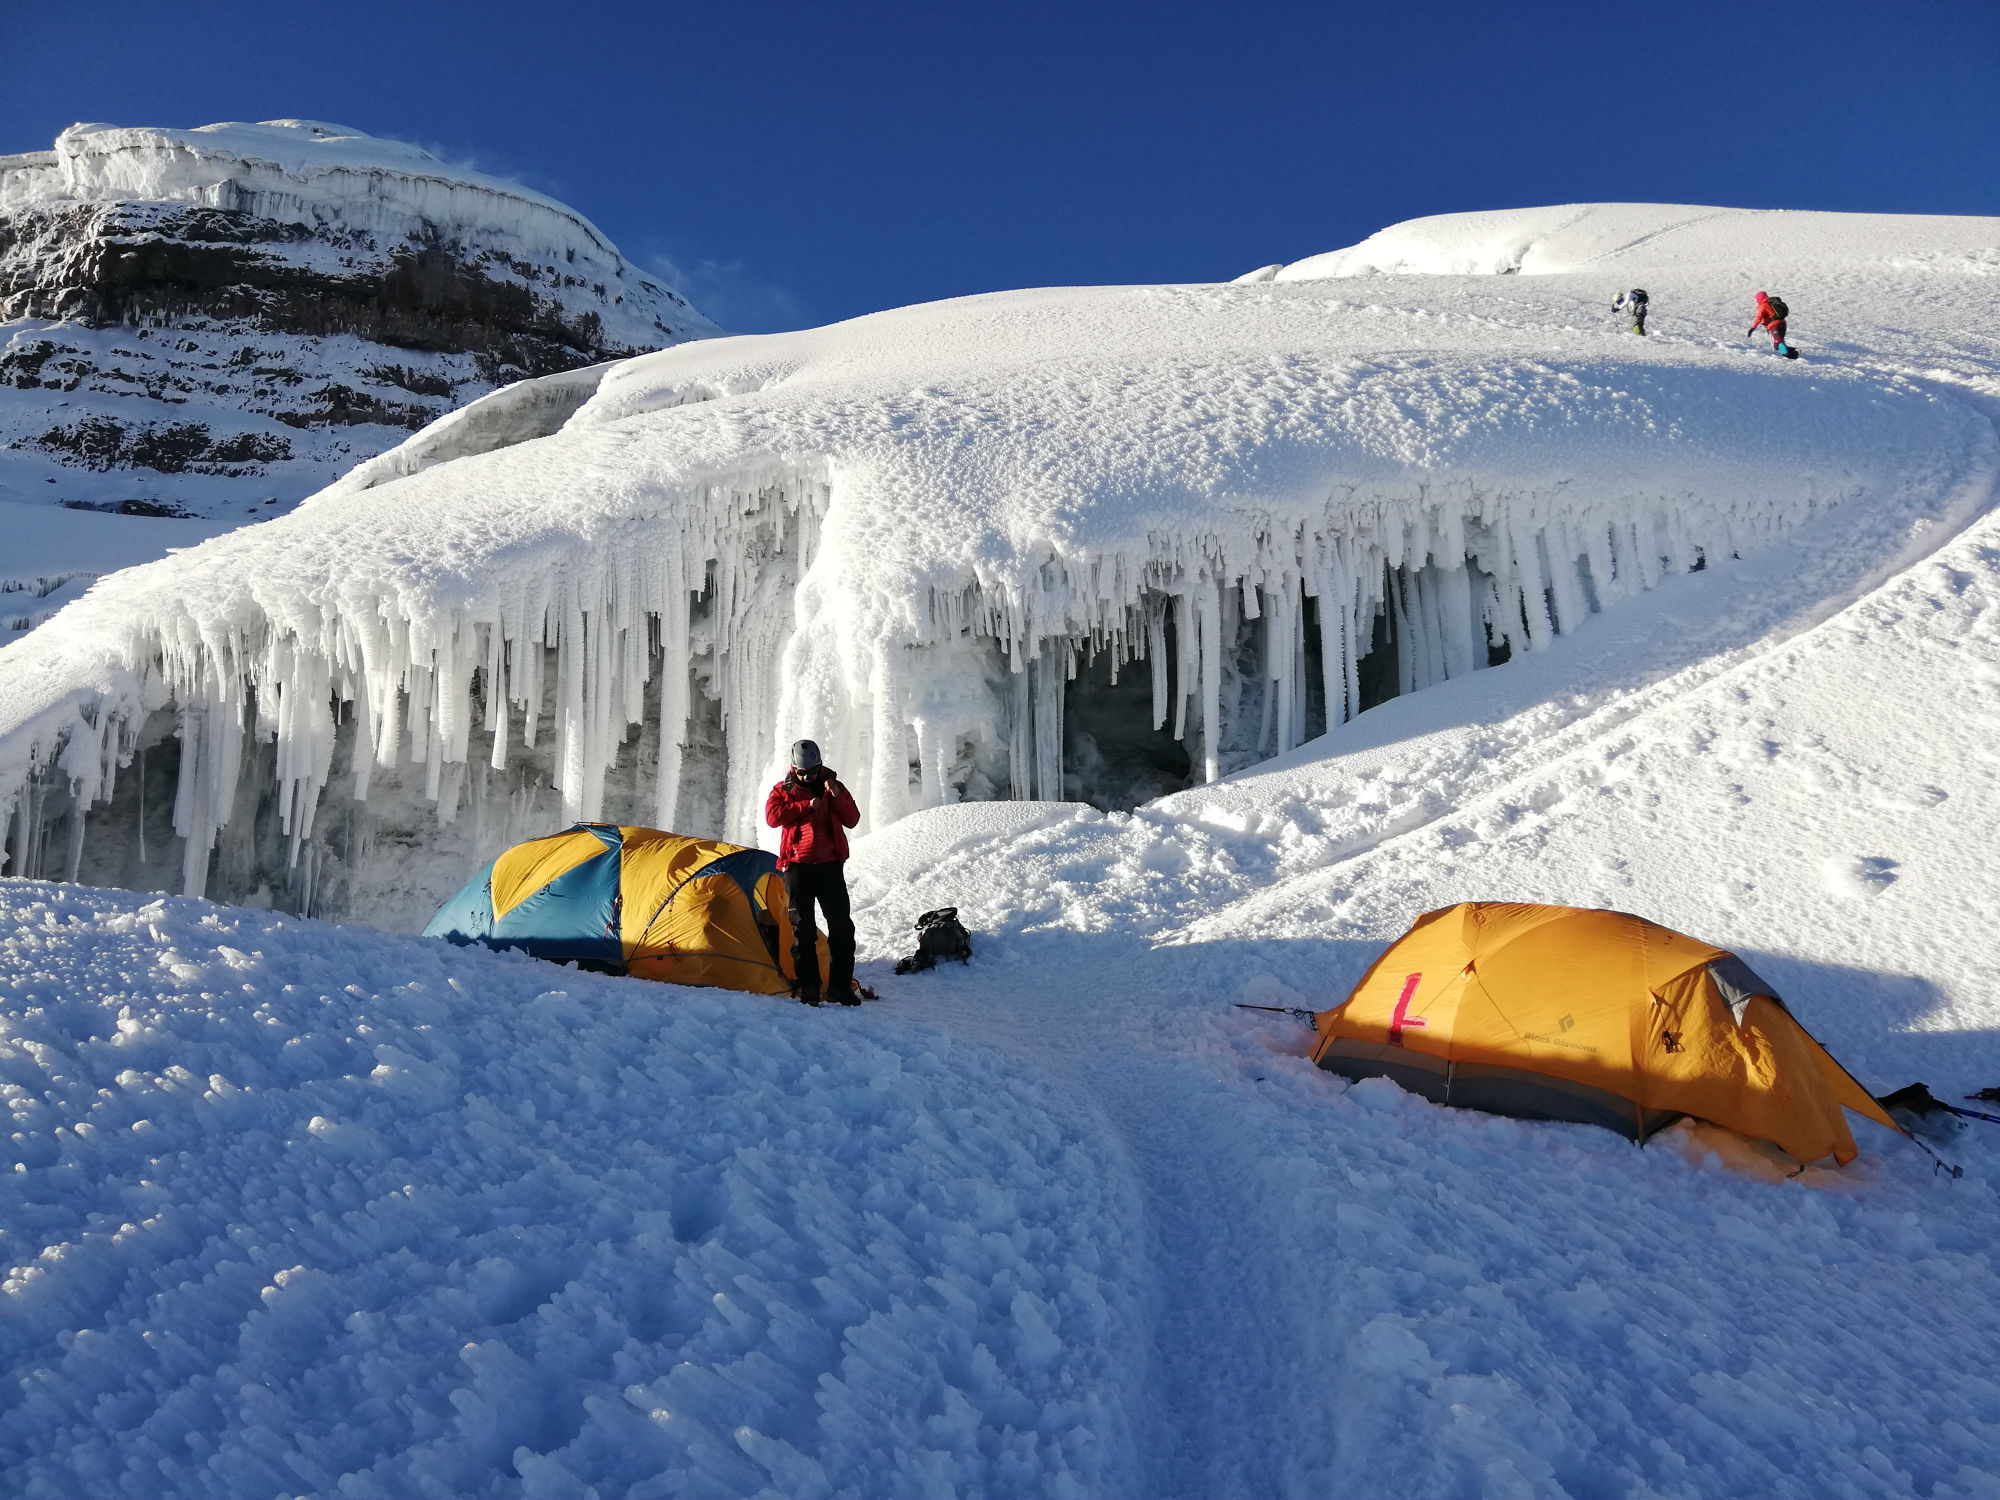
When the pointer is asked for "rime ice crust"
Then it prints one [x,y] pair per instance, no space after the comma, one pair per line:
[621,592]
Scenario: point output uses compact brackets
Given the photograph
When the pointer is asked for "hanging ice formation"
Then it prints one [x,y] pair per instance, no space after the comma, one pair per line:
[1002,546]
[665,668]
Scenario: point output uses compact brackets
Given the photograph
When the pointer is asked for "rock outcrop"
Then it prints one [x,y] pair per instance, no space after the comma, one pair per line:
[219,321]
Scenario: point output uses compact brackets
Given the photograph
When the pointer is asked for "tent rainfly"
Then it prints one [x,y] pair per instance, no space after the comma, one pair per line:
[635,901]
[1560,1013]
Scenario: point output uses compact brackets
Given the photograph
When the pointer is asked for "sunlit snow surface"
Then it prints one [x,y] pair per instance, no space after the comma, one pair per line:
[411,1220]
[903,535]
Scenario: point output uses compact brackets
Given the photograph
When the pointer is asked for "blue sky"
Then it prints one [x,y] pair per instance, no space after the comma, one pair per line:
[800,163]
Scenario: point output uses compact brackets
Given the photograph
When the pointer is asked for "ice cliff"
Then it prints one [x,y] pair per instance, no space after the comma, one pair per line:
[203,321]
[1096,543]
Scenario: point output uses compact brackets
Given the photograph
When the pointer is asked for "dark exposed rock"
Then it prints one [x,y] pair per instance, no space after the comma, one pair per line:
[22,366]
[417,382]
[132,508]
[154,264]
[183,447]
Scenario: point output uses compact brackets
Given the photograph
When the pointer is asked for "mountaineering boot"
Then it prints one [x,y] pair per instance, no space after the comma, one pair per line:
[850,997]
[809,997]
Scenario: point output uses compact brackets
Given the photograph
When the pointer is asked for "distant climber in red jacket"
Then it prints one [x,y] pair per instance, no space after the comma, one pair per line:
[814,810]
[1773,318]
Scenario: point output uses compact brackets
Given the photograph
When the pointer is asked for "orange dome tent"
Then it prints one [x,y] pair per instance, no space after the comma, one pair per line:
[1558,1013]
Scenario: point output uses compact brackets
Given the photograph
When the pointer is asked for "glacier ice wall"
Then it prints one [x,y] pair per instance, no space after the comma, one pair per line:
[570,671]
[909,537]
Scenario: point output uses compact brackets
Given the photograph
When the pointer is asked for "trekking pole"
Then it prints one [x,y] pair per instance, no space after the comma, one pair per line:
[1295,1012]
[1938,1163]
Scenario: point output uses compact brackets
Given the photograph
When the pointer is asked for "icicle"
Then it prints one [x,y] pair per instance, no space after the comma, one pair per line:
[1269,678]
[571,746]
[1400,628]
[1208,611]
[20,826]
[888,771]
[1565,587]
[1458,622]
[1049,674]
[934,755]
[1020,731]
[494,718]
[1156,657]
[1187,647]
[1532,581]
[1329,588]
[674,694]
[1430,627]
[73,855]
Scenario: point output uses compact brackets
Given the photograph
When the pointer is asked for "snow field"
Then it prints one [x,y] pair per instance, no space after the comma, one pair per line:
[52,555]
[296,1209]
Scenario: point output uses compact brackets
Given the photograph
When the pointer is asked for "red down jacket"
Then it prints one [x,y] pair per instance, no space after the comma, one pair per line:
[813,817]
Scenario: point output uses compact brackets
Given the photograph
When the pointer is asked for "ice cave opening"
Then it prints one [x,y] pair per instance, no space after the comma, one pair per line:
[1115,755]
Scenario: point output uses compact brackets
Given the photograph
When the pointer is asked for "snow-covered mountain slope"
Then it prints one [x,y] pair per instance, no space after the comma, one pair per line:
[216,322]
[52,554]
[305,1208]
[929,537]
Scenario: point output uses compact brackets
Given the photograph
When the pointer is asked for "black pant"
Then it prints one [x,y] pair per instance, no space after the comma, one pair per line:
[827,885]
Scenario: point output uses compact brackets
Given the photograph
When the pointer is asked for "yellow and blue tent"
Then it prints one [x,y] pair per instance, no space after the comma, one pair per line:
[635,901]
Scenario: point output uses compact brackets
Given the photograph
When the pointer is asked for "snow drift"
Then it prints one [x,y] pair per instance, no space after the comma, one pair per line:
[935,538]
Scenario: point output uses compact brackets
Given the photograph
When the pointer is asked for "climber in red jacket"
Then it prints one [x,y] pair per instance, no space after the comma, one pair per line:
[815,810]
[1772,317]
